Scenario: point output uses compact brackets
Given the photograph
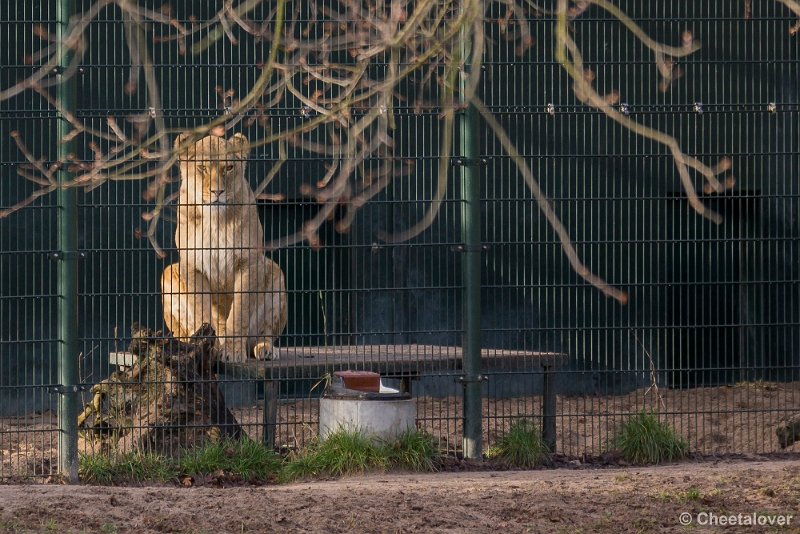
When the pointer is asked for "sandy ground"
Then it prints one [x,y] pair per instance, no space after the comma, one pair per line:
[739,419]
[614,500]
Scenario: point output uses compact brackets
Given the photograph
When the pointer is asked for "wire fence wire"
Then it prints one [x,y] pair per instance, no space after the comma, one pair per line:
[709,339]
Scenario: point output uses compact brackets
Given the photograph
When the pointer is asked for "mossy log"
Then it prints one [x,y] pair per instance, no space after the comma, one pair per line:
[167,401]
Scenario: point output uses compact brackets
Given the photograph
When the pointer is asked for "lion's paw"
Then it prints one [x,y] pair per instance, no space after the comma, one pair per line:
[232,352]
[265,351]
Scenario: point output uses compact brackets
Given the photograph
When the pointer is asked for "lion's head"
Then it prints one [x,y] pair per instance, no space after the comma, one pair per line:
[213,169]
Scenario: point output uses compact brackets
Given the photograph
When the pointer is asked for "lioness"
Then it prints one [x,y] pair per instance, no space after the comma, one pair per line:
[222,276]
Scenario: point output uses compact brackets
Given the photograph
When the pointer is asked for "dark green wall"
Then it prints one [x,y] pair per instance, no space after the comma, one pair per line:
[710,303]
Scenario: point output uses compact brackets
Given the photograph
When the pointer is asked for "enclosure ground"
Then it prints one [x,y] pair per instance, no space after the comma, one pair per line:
[734,419]
[738,419]
[648,499]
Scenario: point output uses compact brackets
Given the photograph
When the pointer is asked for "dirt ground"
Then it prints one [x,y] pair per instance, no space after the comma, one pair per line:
[581,496]
[739,419]
[584,499]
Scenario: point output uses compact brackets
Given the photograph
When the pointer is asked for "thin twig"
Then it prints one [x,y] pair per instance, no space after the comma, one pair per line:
[653,371]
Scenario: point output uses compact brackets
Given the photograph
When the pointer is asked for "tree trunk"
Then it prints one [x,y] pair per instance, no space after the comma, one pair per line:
[166,402]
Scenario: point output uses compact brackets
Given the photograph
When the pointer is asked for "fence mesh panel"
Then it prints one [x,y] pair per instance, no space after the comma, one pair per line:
[709,338]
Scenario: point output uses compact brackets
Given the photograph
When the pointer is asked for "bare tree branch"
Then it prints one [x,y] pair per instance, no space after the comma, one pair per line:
[397,51]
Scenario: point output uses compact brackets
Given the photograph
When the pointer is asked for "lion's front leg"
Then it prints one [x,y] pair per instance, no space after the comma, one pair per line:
[258,313]
[187,301]
[270,320]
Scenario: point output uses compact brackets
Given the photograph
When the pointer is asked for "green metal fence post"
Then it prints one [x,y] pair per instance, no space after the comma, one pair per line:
[67,268]
[471,269]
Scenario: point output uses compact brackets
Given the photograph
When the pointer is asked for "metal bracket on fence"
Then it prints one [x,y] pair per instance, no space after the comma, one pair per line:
[470,248]
[472,379]
[470,162]
[67,256]
[65,390]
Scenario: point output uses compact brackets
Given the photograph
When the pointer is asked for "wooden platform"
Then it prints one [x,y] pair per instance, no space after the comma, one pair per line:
[400,361]
[406,362]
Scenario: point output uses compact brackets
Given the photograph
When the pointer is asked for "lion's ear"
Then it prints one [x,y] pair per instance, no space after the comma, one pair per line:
[240,145]
[182,146]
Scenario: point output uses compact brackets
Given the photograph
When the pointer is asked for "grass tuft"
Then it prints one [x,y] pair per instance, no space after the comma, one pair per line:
[301,465]
[342,453]
[523,446]
[135,467]
[243,458]
[643,439]
[413,450]
[349,452]
[346,453]
[96,469]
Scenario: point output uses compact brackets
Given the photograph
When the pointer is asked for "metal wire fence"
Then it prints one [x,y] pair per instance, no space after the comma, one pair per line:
[709,338]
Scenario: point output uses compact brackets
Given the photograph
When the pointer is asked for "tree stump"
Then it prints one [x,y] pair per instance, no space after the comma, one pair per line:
[789,432]
[166,402]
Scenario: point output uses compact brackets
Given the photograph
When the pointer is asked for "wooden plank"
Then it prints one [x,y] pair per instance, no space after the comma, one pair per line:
[388,360]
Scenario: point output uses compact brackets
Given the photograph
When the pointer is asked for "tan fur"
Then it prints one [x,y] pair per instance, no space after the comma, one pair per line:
[222,276]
